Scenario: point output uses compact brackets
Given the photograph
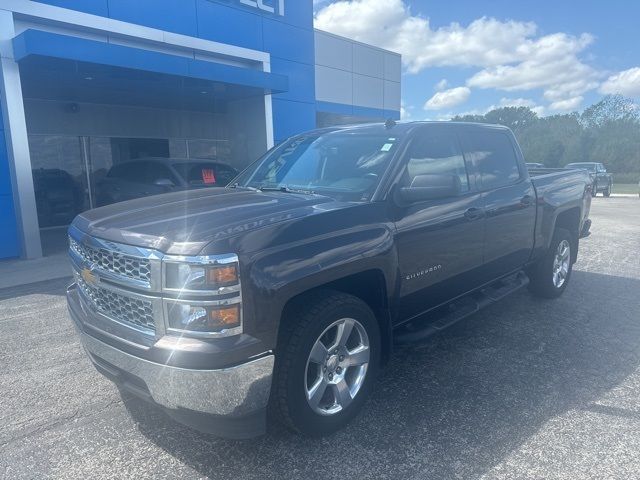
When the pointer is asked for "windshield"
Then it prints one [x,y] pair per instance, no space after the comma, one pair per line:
[346,166]
[585,166]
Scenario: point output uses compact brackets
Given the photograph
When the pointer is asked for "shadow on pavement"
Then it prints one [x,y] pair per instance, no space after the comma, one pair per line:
[56,286]
[460,403]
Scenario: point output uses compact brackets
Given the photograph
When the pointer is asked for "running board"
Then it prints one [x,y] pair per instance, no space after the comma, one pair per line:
[433,322]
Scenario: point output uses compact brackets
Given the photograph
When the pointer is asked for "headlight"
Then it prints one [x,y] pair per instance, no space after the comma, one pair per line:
[200,274]
[198,317]
[206,295]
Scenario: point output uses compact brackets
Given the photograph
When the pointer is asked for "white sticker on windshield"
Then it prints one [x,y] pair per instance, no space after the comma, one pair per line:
[386,147]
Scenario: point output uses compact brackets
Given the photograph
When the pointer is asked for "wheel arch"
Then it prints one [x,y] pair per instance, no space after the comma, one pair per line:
[369,285]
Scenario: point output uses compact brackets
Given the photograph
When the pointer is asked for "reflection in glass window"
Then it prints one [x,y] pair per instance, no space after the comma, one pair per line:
[491,153]
[436,153]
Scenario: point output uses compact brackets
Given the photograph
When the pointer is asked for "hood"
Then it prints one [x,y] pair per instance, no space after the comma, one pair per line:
[183,223]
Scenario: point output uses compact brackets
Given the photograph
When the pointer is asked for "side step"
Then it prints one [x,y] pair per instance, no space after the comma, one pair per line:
[441,318]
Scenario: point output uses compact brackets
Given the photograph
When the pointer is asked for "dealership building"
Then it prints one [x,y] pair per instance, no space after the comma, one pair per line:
[88,84]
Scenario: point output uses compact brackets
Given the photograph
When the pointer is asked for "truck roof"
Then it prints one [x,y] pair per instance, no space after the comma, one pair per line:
[405,127]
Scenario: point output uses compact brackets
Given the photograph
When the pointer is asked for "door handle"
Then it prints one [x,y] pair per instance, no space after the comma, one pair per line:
[526,201]
[474,213]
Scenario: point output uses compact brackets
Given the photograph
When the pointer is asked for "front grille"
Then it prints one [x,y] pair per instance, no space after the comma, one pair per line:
[128,310]
[114,262]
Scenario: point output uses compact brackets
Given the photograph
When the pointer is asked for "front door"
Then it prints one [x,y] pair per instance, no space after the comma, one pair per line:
[440,242]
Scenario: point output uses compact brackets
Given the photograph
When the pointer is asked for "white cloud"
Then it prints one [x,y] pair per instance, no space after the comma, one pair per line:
[405,113]
[519,102]
[626,83]
[390,24]
[551,63]
[448,98]
[568,105]
[441,85]
[510,54]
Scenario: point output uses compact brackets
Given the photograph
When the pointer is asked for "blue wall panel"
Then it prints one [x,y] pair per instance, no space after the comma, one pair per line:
[172,15]
[5,176]
[291,118]
[301,80]
[96,7]
[227,24]
[9,245]
[288,42]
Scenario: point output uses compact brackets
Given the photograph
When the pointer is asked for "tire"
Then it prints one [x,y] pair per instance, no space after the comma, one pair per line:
[296,373]
[594,190]
[607,192]
[544,281]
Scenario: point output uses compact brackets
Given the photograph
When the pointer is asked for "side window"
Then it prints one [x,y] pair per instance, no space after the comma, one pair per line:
[154,171]
[492,155]
[129,171]
[435,152]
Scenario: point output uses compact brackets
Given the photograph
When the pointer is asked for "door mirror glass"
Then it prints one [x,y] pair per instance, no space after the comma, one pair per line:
[428,187]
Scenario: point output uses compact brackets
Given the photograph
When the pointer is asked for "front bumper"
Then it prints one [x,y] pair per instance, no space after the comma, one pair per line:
[230,402]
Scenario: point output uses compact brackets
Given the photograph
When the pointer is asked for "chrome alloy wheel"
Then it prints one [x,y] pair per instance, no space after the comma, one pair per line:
[561,263]
[337,366]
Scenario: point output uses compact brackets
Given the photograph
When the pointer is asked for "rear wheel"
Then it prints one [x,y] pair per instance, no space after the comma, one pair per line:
[550,276]
[327,364]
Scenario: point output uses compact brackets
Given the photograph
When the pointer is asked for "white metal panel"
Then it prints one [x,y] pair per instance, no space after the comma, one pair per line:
[392,95]
[333,51]
[368,61]
[333,85]
[392,66]
[368,91]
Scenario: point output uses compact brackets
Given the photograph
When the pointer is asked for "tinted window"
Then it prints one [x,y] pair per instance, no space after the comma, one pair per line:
[154,171]
[132,172]
[436,152]
[142,172]
[213,174]
[492,155]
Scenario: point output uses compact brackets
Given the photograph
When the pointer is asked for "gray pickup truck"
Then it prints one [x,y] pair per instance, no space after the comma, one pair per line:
[281,296]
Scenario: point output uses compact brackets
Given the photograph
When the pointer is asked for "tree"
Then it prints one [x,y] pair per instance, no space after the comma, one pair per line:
[607,132]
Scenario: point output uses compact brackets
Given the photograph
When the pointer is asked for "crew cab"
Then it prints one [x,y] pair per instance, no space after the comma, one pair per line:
[282,295]
[602,181]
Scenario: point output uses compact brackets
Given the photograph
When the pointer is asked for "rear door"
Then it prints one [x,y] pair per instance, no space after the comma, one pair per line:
[508,198]
[440,242]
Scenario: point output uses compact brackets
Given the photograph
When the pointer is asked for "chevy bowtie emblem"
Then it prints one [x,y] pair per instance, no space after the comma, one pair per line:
[89,276]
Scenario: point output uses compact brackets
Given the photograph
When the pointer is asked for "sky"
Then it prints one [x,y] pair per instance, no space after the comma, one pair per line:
[469,56]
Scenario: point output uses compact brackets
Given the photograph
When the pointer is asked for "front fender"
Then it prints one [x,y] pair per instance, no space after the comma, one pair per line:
[279,275]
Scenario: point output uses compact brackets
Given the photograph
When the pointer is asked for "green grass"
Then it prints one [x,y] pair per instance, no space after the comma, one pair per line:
[625,188]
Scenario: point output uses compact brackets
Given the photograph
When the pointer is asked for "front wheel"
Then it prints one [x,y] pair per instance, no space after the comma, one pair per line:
[607,192]
[550,276]
[594,189]
[327,364]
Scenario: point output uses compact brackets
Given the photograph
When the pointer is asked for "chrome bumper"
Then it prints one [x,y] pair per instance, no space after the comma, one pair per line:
[230,392]
[233,392]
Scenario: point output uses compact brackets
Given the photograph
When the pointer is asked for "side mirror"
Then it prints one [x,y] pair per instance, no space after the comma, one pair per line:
[164,182]
[428,187]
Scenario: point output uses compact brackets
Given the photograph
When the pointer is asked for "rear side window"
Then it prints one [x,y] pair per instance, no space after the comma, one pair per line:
[436,152]
[492,155]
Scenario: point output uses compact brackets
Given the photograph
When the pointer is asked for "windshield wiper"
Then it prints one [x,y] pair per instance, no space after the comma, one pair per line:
[237,185]
[285,189]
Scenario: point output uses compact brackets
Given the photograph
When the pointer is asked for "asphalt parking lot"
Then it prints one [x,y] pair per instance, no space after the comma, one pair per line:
[524,389]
